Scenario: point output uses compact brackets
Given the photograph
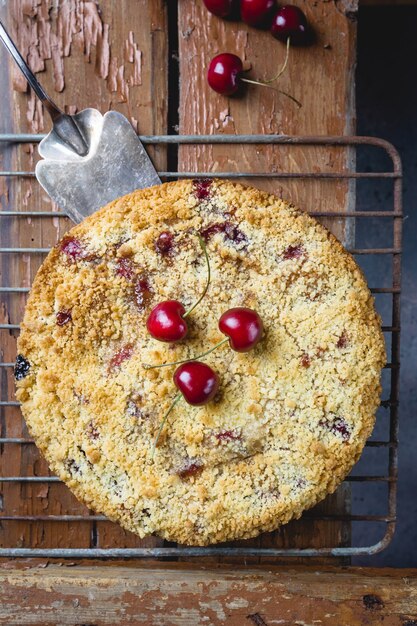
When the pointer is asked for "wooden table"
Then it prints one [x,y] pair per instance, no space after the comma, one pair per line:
[180,596]
[148,60]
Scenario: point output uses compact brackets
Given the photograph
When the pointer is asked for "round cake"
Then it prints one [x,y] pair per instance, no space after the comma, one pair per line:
[290,417]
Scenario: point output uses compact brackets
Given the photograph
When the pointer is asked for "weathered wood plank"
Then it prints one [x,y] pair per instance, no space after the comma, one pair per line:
[321,77]
[184,596]
[109,55]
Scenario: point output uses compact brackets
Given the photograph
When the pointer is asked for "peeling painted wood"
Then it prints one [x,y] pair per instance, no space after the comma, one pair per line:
[196,597]
[106,54]
[321,77]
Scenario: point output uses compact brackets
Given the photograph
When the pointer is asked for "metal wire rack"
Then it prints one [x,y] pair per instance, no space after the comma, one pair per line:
[384,446]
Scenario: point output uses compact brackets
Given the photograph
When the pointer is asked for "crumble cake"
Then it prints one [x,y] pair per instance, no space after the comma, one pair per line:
[291,417]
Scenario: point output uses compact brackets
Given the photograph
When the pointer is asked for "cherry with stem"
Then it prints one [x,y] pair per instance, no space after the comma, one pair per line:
[243,328]
[290,21]
[197,383]
[225,75]
[167,320]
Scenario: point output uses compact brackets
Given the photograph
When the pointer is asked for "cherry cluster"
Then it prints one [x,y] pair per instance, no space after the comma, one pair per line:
[287,23]
[283,22]
[196,381]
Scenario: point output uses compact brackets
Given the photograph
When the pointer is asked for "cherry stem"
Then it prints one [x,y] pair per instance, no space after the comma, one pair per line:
[204,249]
[284,93]
[195,358]
[164,420]
[280,71]
[284,65]
[267,83]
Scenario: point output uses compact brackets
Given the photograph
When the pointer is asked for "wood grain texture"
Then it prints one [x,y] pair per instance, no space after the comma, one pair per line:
[321,77]
[181,596]
[108,55]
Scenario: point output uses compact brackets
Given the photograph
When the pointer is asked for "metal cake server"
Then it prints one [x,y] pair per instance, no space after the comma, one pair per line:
[88,159]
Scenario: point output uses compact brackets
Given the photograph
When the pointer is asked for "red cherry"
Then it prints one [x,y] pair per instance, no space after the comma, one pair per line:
[290,21]
[121,356]
[165,322]
[197,382]
[243,326]
[224,73]
[221,8]
[257,13]
[64,316]
[164,243]
[75,249]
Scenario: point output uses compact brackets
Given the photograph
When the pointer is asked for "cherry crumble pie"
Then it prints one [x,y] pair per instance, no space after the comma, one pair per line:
[290,417]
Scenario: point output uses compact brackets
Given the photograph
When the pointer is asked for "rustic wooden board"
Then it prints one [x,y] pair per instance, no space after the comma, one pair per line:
[181,596]
[111,55]
[321,77]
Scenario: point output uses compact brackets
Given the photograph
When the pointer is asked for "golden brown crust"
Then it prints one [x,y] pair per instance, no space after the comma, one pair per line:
[292,416]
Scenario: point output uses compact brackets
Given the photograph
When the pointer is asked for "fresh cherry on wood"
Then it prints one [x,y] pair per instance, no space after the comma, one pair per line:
[221,8]
[197,382]
[224,73]
[290,22]
[166,322]
[257,13]
[243,326]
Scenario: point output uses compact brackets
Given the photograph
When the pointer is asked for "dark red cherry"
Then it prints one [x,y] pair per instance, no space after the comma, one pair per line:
[221,8]
[224,73]
[164,243]
[121,356]
[202,188]
[257,13]
[197,382]
[165,321]
[190,468]
[75,249]
[243,326]
[63,317]
[290,21]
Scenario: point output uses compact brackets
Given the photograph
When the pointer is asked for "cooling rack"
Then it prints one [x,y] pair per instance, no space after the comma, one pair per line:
[383,446]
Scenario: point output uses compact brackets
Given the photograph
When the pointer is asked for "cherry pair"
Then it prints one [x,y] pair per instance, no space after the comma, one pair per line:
[167,323]
[167,320]
[225,73]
